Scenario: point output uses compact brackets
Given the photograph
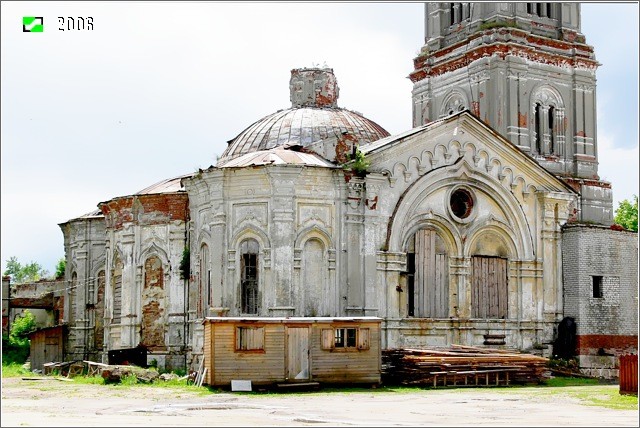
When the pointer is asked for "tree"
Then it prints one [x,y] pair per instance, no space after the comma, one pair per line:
[15,345]
[627,214]
[61,267]
[27,273]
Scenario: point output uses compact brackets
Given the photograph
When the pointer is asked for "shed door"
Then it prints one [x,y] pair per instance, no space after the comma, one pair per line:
[52,346]
[297,354]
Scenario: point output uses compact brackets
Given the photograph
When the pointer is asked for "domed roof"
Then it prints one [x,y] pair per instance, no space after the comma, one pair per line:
[313,117]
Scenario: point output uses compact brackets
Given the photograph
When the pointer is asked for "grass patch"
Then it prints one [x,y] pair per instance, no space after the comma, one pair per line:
[15,370]
[558,382]
[590,392]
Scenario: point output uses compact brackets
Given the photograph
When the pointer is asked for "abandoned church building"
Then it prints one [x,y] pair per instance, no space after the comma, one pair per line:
[486,224]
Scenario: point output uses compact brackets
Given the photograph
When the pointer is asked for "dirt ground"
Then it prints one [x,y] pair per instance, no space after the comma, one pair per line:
[54,403]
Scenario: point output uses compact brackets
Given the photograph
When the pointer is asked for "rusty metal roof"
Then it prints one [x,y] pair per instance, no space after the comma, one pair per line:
[302,126]
[276,156]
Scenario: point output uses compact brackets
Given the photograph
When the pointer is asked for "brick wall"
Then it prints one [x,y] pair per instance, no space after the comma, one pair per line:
[607,323]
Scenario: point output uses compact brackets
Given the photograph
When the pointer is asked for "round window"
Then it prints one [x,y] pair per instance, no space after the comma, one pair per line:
[461,203]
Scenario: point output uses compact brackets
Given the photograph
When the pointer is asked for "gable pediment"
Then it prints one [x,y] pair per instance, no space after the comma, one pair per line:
[460,142]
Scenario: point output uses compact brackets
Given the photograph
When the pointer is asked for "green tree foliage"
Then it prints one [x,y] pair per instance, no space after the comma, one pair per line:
[61,267]
[185,264]
[27,273]
[15,345]
[627,214]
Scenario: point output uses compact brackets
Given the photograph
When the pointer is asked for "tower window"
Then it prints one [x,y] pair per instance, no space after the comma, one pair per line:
[538,128]
[551,142]
[459,12]
[597,287]
[543,10]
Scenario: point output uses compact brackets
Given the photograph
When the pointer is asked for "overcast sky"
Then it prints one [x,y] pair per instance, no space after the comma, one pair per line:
[156,90]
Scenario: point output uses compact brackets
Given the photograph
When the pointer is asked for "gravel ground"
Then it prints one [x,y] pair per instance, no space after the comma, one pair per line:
[52,403]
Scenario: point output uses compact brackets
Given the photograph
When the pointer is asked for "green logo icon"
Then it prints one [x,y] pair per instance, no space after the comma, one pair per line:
[32,24]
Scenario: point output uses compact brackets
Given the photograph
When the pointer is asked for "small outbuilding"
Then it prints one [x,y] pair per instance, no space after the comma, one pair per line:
[266,351]
[46,345]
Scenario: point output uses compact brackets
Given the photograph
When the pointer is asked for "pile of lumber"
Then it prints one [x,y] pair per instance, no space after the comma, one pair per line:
[461,366]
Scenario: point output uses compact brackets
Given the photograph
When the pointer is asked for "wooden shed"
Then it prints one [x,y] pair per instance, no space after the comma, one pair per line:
[267,351]
[46,345]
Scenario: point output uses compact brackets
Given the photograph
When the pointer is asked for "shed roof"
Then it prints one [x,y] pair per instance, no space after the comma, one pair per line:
[284,320]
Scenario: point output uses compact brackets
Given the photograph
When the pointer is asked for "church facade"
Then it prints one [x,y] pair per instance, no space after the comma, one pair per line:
[452,232]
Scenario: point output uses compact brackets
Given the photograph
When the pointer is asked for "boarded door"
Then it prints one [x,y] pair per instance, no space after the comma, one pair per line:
[297,354]
[53,345]
[489,287]
[431,288]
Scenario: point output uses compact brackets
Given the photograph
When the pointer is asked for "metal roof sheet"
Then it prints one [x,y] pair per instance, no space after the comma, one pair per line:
[277,156]
[302,126]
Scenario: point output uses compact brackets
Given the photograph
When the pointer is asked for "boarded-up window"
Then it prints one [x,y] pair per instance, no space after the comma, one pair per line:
[249,276]
[314,271]
[489,287]
[204,286]
[73,299]
[428,274]
[99,312]
[364,338]
[117,291]
[249,338]
[327,338]
[153,304]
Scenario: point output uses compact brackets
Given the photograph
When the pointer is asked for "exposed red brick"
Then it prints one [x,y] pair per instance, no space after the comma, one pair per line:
[522,120]
[576,55]
[590,344]
[344,146]
[576,183]
[475,108]
[152,329]
[156,209]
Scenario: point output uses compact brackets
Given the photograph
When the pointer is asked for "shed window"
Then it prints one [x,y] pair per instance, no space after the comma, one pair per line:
[597,287]
[249,338]
[346,338]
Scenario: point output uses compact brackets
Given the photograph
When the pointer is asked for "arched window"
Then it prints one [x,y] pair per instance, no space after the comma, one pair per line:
[249,276]
[548,116]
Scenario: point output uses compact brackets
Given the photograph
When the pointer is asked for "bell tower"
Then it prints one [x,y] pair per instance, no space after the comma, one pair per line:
[525,70]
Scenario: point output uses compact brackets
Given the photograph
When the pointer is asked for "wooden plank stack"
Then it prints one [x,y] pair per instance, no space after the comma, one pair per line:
[461,366]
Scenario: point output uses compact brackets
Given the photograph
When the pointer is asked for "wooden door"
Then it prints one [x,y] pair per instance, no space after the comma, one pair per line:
[297,354]
[431,280]
[489,287]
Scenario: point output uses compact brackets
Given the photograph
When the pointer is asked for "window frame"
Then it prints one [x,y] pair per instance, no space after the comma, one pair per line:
[332,336]
[597,290]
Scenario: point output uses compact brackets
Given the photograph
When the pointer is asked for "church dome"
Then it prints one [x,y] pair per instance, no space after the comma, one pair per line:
[314,116]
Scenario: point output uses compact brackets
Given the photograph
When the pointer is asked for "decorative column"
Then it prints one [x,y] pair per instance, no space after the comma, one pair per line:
[354,239]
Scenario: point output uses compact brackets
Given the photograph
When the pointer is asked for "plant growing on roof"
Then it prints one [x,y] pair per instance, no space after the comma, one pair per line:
[358,163]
